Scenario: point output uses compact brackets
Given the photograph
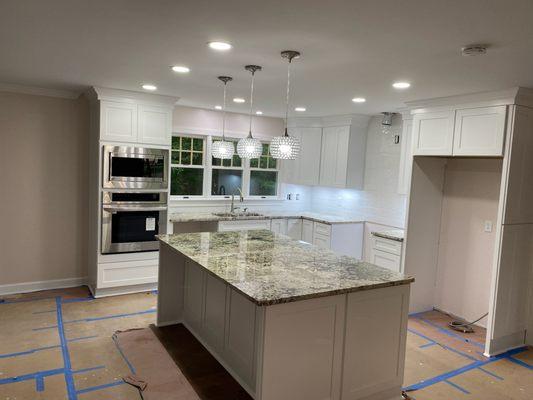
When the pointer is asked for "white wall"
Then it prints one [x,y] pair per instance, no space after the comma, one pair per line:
[379,201]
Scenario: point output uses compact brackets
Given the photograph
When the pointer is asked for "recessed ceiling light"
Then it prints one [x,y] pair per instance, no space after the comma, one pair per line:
[239,100]
[150,87]
[218,107]
[219,45]
[180,69]
[401,85]
[300,109]
[358,99]
[259,112]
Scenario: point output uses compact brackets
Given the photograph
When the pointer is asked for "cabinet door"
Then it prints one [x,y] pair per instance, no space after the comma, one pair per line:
[155,125]
[321,241]
[406,157]
[334,156]
[291,168]
[214,311]
[279,226]
[433,133]
[294,228]
[386,260]
[309,163]
[307,231]
[118,122]
[479,131]
[194,295]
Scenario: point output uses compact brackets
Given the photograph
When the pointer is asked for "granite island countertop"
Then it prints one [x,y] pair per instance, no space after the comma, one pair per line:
[269,268]
[211,217]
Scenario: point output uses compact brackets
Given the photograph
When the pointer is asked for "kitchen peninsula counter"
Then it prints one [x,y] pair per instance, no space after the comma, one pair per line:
[287,319]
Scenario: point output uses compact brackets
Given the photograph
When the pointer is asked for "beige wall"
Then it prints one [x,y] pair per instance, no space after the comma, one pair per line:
[466,252]
[43,193]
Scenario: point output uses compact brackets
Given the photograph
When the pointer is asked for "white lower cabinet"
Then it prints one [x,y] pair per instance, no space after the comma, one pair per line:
[322,241]
[279,225]
[387,253]
[294,228]
[307,231]
[248,224]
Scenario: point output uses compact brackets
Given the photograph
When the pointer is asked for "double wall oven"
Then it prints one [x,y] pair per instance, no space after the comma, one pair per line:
[134,198]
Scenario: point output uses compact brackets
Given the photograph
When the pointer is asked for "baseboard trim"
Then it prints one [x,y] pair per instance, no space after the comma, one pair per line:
[27,287]
[117,291]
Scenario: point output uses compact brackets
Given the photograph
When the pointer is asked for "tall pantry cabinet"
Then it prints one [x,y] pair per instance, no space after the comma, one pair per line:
[469,236]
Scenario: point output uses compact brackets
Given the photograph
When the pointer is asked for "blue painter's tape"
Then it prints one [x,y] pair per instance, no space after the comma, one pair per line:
[442,345]
[23,353]
[39,383]
[417,314]
[45,328]
[83,370]
[457,386]
[490,373]
[450,333]
[76,300]
[25,300]
[130,366]
[427,345]
[69,380]
[110,317]
[520,362]
[82,338]
[44,312]
[100,387]
[33,375]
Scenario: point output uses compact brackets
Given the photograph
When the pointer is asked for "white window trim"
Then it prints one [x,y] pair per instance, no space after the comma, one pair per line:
[208,170]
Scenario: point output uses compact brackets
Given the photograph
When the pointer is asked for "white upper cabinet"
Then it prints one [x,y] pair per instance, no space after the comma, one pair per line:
[433,133]
[118,121]
[306,169]
[155,124]
[479,131]
[406,157]
[334,156]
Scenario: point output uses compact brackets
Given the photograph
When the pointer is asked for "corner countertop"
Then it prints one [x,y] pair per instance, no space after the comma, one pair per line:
[269,268]
[210,217]
[392,234]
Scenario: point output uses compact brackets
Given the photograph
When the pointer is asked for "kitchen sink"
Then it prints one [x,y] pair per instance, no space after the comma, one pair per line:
[238,214]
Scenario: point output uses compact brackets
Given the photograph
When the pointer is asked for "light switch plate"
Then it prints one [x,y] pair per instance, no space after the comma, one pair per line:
[488,226]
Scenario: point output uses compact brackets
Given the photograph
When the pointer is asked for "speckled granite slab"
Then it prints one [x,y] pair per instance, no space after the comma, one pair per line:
[210,217]
[269,268]
[393,234]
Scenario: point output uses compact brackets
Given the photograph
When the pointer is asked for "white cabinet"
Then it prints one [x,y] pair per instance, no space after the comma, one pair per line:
[306,169]
[294,228]
[118,121]
[406,156]
[387,253]
[386,260]
[433,133]
[479,131]
[240,225]
[279,226]
[307,231]
[322,241]
[322,235]
[154,124]
[334,156]
[193,299]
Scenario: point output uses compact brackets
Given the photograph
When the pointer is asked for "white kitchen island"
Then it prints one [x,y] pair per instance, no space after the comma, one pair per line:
[288,320]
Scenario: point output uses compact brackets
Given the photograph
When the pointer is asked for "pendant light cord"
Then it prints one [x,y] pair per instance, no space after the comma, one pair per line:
[224,114]
[287,100]
[251,103]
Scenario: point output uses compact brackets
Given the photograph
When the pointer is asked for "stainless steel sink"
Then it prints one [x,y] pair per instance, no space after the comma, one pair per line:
[238,214]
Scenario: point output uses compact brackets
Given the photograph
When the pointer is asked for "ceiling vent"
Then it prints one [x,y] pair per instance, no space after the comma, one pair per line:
[474,50]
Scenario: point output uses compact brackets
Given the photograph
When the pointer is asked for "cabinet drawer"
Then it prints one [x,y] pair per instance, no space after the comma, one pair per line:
[387,245]
[307,231]
[322,229]
[225,226]
[387,260]
[127,273]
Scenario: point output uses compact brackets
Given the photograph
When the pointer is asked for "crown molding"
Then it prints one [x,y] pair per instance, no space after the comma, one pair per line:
[359,120]
[129,96]
[38,91]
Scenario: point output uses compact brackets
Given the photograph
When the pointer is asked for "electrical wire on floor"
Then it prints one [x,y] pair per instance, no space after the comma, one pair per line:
[465,327]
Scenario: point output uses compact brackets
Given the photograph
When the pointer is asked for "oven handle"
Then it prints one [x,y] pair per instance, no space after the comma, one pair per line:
[134,208]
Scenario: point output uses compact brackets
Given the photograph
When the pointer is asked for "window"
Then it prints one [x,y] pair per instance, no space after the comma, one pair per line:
[187,166]
[226,176]
[264,174]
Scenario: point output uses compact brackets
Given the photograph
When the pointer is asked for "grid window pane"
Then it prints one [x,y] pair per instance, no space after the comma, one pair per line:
[175,157]
[198,145]
[197,159]
[185,158]
[263,183]
[226,181]
[263,162]
[186,181]
[186,143]
[254,163]
[175,142]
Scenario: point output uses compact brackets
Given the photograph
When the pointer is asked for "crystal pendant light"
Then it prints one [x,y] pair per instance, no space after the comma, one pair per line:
[386,122]
[286,147]
[249,147]
[222,148]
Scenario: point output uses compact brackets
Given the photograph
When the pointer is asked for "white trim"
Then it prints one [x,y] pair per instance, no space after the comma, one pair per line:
[230,134]
[119,290]
[26,287]
[129,96]
[38,91]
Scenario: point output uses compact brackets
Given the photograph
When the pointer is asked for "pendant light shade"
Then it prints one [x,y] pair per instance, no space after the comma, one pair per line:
[223,149]
[286,147]
[250,147]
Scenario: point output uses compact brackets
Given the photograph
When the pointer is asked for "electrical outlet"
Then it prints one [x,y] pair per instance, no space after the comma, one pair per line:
[488,226]
[297,196]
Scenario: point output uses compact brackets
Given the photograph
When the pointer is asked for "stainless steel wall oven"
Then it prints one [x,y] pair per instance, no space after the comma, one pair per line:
[130,221]
[134,168]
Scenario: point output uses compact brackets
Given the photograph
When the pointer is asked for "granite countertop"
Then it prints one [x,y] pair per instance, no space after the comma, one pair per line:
[392,234]
[269,268]
[210,217]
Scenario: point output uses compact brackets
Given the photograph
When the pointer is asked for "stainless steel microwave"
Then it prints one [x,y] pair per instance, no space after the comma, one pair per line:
[134,168]
[130,221]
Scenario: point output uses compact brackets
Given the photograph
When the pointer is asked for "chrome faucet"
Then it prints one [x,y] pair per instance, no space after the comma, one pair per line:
[241,199]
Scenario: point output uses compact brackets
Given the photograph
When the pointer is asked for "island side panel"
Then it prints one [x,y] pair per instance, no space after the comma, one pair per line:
[375,339]
[302,350]
[171,280]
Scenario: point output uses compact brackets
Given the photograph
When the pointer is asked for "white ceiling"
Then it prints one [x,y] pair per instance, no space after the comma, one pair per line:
[349,48]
